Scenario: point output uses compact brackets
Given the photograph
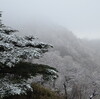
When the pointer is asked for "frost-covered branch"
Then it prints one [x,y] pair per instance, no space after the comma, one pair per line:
[15,67]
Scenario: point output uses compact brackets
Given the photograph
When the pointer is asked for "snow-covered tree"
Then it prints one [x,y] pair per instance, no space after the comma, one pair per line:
[15,66]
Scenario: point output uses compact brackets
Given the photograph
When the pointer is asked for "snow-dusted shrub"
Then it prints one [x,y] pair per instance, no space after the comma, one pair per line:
[15,65]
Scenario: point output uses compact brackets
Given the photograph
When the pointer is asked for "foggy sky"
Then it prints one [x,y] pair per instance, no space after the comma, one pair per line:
[82,17]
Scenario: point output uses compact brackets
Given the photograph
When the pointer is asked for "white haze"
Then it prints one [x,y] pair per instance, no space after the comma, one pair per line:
[79,16]
[54,22]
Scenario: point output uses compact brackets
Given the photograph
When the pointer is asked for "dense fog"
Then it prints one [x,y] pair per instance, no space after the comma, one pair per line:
[73,57]
[72,28]
[80,16]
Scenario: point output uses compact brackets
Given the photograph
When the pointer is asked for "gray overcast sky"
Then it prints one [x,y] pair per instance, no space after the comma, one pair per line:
[82,17]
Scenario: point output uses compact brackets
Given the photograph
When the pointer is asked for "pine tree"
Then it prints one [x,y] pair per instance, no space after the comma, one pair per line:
[15,65]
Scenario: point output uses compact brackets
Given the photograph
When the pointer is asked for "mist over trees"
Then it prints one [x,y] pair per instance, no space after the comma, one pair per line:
[74,58]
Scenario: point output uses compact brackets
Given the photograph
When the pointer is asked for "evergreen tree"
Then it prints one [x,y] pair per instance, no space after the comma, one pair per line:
[15,65]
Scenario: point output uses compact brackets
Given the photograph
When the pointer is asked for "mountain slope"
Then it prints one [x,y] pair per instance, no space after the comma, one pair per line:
[70,55]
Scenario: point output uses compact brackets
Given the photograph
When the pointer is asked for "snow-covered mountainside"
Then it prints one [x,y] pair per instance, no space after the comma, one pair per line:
[74,60]
[65,42]
[70,55]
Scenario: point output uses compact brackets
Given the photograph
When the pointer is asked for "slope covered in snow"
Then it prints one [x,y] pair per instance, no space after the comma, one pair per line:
[70,56]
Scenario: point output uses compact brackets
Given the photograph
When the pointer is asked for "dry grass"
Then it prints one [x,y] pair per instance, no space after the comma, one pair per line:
[39,92]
